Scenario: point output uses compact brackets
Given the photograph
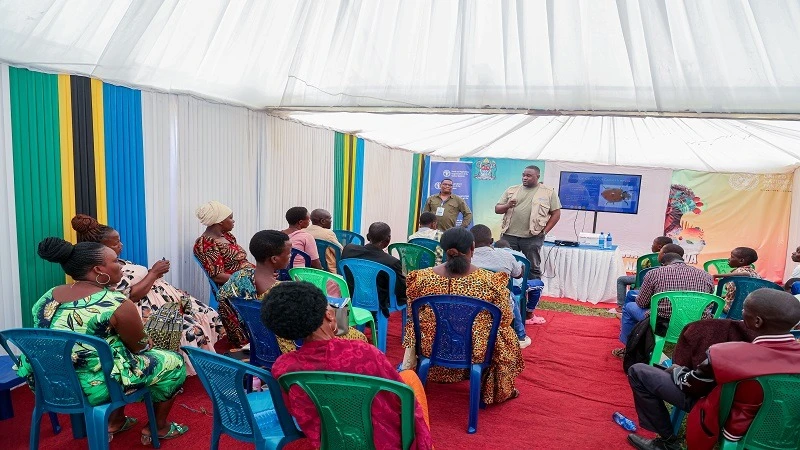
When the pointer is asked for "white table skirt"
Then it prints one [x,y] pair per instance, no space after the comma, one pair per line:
[585,274]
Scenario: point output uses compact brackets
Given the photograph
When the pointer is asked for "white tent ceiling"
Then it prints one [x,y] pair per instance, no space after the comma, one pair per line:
[599,55]
[711,145]
[722,57]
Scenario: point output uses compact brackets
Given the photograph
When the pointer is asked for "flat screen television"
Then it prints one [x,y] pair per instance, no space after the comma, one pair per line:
[601,192]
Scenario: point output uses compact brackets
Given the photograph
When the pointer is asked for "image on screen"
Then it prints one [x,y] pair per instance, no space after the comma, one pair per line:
[601,192]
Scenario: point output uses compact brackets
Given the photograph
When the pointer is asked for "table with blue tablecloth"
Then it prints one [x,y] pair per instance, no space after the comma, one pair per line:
[583,273]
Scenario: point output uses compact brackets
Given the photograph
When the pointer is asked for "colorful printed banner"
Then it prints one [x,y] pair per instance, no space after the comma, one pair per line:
[491,177]
[459,173]
[709,214]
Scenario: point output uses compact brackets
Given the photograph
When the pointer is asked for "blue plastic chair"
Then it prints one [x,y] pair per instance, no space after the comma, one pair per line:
[796,334]
[526,272]
[452,345]
[212,299]
[9,380]
[283,274]
[322,249]
[257,417]
[58,390]
[364,291]
[430,244]
[796,288]
[264,349]
[349,237]
[744,286]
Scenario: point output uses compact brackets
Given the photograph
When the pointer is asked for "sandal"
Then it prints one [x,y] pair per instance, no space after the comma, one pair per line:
[129,423]
[175,430]
[514,394]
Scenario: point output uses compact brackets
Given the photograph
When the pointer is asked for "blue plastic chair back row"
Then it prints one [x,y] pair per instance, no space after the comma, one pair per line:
[214,289]
[349,237]
[283,274]
[322,248]
[258,417]
[57,387]
[264,349]
[744,286]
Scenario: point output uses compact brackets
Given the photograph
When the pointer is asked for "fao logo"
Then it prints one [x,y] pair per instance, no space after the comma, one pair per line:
[446,173]
[437,185]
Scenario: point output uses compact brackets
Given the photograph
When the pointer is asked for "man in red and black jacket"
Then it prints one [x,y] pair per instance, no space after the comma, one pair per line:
[771,314]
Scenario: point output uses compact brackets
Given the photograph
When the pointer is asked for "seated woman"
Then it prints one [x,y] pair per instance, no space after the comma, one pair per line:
[271,250]
[216,248]
[149,291]
[459,277]
[91,306]
[300,311]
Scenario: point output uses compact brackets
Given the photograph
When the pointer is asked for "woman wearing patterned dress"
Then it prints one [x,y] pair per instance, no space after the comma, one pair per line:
[459,277]
[149,291]
[216,248]
[271,249]
[91,306]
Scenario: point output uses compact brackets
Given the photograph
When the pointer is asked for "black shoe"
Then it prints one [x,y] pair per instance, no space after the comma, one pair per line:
[658,443]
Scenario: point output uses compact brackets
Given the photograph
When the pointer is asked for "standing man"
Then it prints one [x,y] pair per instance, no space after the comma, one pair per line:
[530,210]
[446,206]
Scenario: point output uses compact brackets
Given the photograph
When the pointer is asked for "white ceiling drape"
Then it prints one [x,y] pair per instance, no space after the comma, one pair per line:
[600,55]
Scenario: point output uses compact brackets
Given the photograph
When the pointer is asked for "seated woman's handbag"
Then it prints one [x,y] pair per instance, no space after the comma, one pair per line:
[165,325]
[342,308]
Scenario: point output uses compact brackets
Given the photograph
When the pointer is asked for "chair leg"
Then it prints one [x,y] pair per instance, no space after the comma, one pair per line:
[151,418]
[215,435]
[404,318]
[373,330]
[474,397]
[33,444]
[422,370]
[382,325]
[6,407]
[78,426]
[54,422]
[677,419]
[97,429]
[657,350]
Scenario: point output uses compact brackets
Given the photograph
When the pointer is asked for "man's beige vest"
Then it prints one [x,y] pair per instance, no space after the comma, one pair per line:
[540,209]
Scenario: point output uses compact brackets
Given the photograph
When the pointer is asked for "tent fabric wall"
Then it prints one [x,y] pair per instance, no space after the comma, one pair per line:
[10,306]
[794,225]
[387,181]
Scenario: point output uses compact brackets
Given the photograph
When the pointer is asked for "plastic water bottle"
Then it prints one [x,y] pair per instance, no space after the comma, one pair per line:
[602,241]
[624,422]
[608,241]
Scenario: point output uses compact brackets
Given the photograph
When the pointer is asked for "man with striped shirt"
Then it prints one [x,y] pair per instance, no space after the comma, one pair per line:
[672,275]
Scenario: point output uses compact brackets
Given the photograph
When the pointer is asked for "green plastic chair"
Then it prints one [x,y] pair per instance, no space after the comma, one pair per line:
[687,307]
[720,265]
[777,423]
[648,260]
[320,279]
[413,257]
[344,405]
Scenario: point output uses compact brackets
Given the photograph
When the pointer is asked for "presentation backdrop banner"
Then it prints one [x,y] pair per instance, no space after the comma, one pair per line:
[709,214]
[459,172]
[491,177]
[633,233]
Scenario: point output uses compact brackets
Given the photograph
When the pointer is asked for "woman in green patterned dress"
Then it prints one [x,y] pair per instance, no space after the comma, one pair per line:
[89,306]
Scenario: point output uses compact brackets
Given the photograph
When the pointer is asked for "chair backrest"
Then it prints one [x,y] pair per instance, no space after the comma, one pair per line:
[320,279]
[430,244]
[294,254]
[777,423]
[796,288]
[322,249]
[720,265]
[365,282]
[349,237]
[50,353]
[648,260]
[526,271]
[454,315]
[344,404]
[640,277]
[264,349]
[687,307]
[412,256]
[223,380]
[211,282]
[744,286]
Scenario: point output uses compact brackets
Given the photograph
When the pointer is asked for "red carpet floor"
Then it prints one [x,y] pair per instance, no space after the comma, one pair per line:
[569,389]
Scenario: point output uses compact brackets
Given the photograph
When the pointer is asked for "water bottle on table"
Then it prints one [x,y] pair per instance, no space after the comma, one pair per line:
[624,422]
[608,241]
[601,242]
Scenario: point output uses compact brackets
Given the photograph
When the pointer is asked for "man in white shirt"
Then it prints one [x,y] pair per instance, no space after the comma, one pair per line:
[427,227]
[487,257]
